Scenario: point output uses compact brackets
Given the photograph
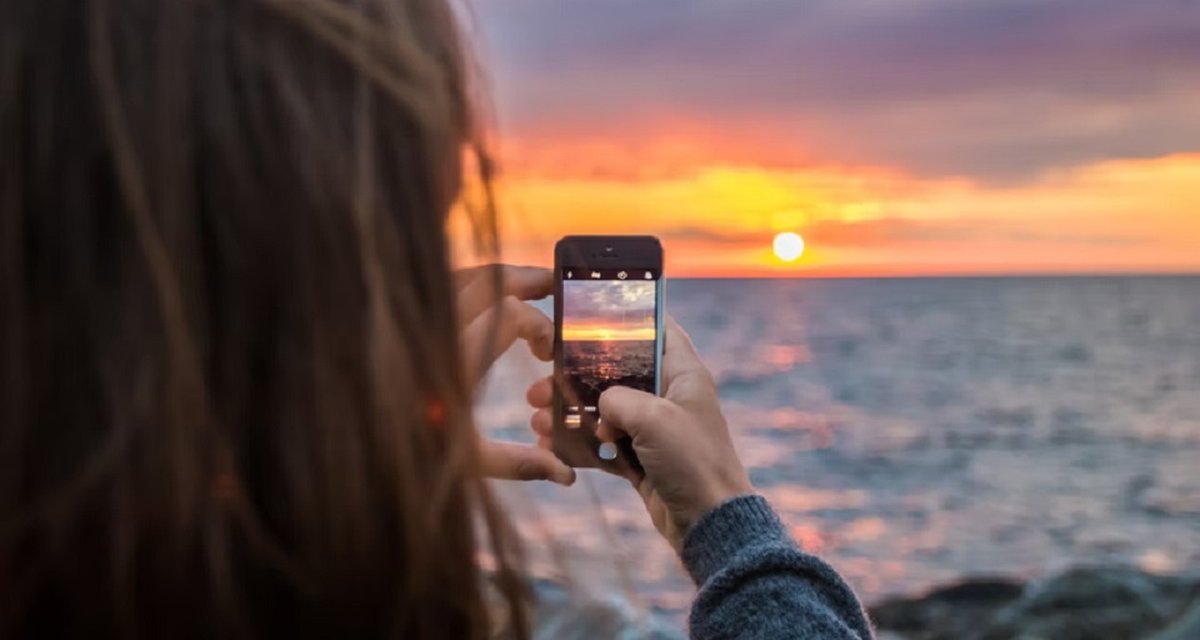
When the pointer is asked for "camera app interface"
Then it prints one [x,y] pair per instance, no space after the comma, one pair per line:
[608,335]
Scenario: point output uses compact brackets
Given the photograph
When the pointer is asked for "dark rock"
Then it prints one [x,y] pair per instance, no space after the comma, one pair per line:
[1093,603]
[1186,627]
[948,613]
[1111,603]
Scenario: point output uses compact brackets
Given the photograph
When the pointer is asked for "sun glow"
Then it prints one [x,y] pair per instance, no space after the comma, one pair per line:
[788,246]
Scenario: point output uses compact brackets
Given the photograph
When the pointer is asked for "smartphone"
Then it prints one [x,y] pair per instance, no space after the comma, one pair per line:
[608,317]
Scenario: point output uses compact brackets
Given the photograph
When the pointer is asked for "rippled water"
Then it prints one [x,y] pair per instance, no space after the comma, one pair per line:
[915,431]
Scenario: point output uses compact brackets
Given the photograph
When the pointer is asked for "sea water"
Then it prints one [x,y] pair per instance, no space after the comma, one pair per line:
[913,432]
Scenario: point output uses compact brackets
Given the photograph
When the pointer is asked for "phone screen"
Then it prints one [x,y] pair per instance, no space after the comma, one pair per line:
[609,335]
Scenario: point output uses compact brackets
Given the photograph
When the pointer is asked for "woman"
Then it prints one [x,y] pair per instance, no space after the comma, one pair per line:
[236,370]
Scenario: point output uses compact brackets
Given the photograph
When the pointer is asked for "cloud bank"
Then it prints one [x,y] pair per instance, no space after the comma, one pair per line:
[992,90]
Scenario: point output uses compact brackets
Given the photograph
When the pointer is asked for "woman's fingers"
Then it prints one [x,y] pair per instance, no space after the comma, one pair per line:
[517,278]
[497,328]
[542,422]
[541,393]
[514,461]
[605,432]
[482,287]
[637,413]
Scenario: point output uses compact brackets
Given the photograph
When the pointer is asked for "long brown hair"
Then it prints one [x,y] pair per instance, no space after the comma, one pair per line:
[231,395]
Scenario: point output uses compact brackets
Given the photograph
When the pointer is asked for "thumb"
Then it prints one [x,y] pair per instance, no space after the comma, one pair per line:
[680,358]
[629,410]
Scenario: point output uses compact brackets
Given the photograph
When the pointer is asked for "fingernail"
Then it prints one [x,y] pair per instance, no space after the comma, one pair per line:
[607,451]
[561,475]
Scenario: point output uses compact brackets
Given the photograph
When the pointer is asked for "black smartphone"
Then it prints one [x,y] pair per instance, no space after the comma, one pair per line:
[608,316]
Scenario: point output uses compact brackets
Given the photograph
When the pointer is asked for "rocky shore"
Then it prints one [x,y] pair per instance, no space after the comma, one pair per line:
[1096,603]
[1086,603]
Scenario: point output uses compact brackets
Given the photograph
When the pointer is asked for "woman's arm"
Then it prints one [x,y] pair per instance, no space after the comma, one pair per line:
[755,583]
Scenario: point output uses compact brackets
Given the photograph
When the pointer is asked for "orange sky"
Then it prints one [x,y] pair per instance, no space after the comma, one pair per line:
[920,137]
[718,219]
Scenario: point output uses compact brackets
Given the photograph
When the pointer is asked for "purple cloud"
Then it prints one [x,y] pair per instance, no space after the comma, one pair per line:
[991,89]
[615,301]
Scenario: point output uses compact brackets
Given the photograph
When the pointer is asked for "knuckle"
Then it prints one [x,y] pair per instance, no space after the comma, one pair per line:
[510,311]
[661,412]
[530,470]
[545,331]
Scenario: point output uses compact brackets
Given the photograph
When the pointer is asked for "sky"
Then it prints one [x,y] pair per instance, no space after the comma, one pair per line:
[608,310]
[898,137]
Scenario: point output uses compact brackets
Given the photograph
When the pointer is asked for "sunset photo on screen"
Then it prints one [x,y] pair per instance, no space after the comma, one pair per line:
[608,336]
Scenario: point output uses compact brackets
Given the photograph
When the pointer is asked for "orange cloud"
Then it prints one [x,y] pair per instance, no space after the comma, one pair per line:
[649,147]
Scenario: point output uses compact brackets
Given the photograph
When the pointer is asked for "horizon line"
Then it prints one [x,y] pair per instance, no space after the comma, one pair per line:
[933,275]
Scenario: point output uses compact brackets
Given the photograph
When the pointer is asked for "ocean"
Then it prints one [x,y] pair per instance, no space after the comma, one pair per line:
[594,365]
[914,432]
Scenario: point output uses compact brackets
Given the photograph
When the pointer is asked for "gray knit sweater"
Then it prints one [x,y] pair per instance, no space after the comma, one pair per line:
[755,583]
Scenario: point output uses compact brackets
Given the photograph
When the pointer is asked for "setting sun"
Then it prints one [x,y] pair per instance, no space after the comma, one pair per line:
[788,246]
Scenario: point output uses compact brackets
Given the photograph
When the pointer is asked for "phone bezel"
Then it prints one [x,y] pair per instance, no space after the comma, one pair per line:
[577,447]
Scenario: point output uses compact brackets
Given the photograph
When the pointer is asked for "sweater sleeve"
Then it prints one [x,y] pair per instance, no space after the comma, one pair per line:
[756,583]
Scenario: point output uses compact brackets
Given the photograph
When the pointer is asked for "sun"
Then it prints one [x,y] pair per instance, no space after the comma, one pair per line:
[788,246]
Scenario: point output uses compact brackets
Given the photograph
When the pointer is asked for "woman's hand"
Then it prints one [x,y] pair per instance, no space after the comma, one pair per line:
[681,439]
[491,319]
